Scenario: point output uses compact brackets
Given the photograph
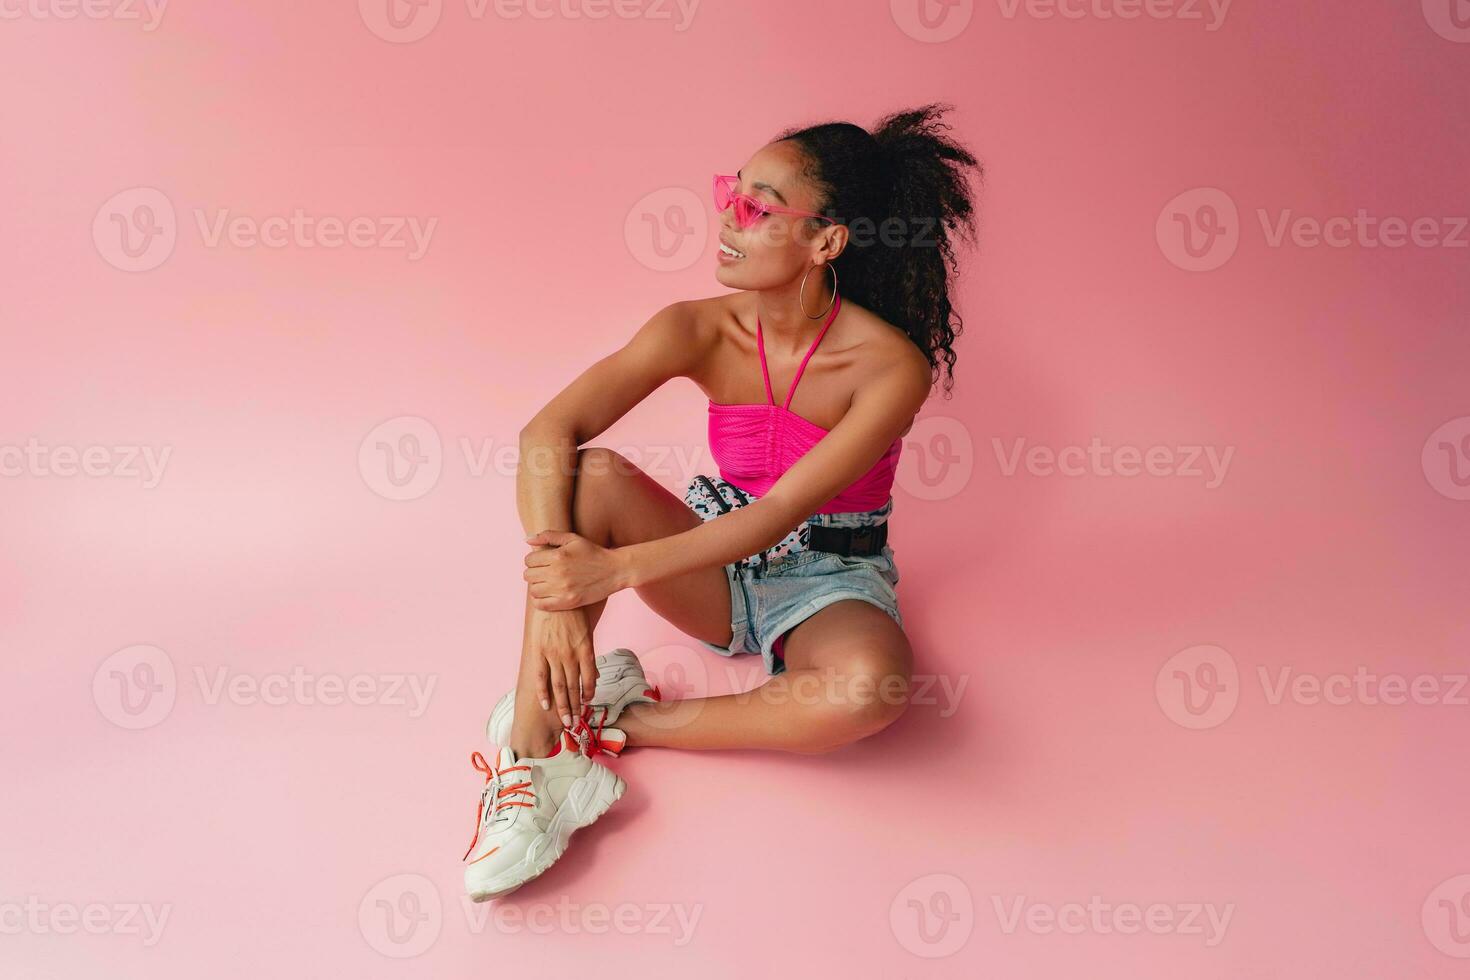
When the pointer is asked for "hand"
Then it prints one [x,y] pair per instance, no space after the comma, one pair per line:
[566,571]
[560,644]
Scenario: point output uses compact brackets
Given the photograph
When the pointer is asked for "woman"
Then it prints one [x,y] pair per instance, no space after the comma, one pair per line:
[838,244]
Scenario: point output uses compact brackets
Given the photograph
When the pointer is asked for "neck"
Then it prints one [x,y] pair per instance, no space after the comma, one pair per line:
[784,325]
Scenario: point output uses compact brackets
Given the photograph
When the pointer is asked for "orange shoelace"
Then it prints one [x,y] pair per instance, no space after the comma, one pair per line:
[589,735]
[493,775]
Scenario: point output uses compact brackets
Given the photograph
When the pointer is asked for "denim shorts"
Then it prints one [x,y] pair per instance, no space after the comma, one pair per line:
[769,598]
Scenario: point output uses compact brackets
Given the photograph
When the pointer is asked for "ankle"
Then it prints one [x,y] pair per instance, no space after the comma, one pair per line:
[535,748]
[533,742]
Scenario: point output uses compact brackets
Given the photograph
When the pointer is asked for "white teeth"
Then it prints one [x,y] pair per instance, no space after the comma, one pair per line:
[730,251]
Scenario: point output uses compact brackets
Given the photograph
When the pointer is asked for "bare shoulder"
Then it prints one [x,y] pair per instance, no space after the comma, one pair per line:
[678,337]
[889,355]
[697,324]
[710,316]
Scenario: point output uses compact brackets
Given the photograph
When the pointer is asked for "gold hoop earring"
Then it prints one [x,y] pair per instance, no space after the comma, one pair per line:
[801,293]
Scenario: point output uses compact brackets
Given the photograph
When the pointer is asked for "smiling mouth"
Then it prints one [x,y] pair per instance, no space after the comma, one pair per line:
[733,253]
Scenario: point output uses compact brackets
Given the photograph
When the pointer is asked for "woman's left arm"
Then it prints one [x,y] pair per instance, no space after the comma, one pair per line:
[881,410]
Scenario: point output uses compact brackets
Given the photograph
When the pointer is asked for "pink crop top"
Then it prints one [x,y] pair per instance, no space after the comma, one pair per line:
[754,444]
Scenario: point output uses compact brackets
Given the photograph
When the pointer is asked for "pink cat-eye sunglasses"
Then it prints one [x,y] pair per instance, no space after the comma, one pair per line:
[748,210]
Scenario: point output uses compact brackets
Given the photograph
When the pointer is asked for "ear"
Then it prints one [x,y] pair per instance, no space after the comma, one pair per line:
[831,242]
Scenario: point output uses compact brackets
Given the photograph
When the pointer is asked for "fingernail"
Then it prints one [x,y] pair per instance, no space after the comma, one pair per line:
[566,720]
[545,705]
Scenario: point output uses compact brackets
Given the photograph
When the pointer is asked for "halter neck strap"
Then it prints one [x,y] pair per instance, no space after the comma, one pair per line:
[761,346]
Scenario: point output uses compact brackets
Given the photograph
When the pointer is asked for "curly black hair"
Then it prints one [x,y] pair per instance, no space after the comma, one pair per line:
[904,194]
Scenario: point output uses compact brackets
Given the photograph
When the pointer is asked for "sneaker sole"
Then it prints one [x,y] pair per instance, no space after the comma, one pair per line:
[588,799]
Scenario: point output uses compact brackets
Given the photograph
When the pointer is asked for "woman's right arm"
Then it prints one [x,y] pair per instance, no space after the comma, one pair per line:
[665,347]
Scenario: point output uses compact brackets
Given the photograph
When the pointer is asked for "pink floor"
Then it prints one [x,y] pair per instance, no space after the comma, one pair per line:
[1206,720]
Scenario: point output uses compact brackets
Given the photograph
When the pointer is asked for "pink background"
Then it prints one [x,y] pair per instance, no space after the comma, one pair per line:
[1335,541]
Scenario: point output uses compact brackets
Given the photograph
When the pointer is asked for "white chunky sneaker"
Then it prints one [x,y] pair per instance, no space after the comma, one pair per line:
[620,682]
[529,810]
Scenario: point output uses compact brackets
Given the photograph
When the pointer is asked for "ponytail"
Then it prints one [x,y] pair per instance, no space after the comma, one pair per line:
[903,192]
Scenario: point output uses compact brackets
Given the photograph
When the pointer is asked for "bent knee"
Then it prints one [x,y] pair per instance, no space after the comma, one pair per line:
[598,462]
[869,692]
[595,491]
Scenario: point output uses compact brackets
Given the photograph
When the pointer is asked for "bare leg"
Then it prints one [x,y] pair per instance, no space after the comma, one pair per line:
[847,673]
[847,667]
[615,503]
